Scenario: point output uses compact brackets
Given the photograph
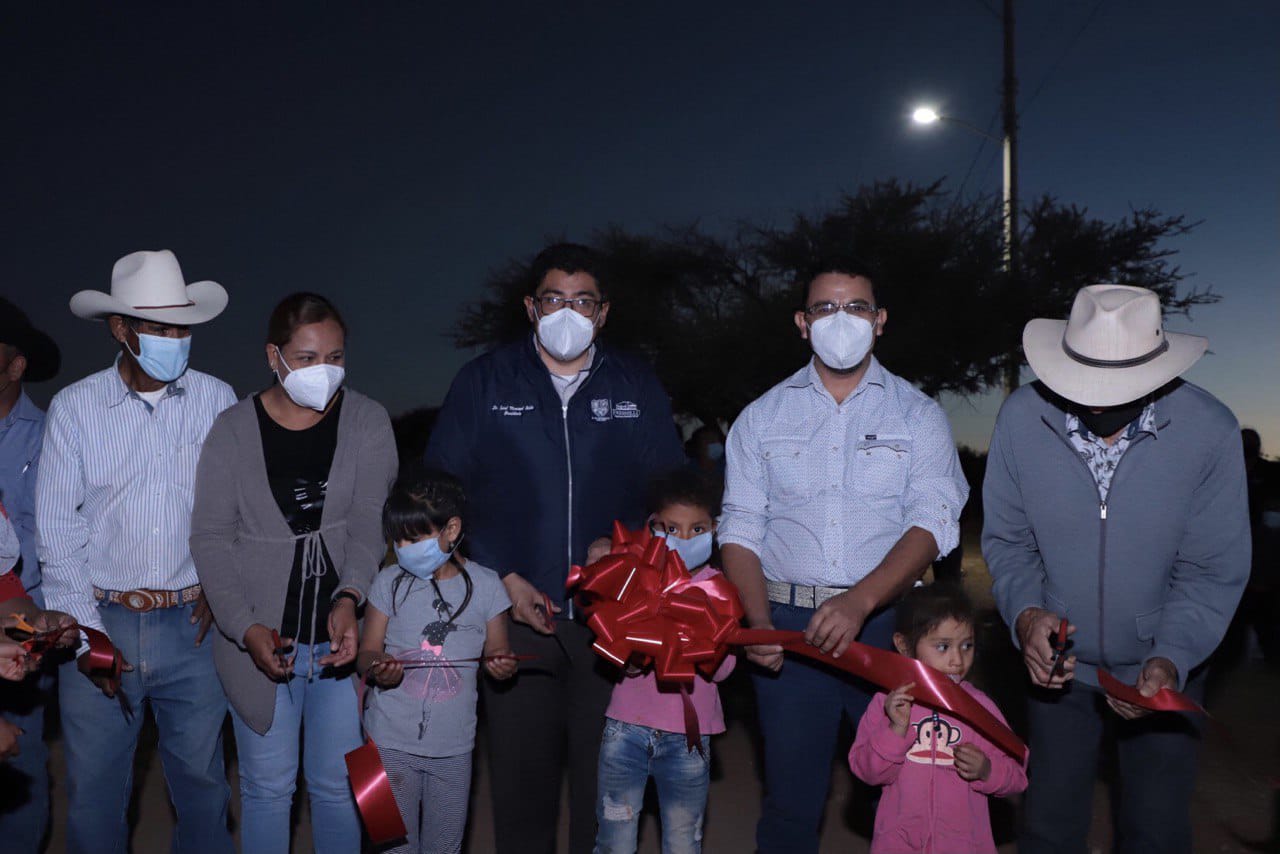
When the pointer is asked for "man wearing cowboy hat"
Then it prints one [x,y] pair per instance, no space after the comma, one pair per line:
[1114,498]
[113,516]
[26,355]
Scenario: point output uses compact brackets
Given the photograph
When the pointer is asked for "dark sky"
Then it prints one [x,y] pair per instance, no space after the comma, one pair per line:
[389,155]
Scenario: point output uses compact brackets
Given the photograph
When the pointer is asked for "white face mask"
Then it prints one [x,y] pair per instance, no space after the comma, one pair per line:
[565,334]
[312,387]
[694,551]
[842,340]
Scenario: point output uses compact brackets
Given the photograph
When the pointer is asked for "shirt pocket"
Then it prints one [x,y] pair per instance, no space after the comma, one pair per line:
[1146,624]
[787,464]
[880,465]
[186,456]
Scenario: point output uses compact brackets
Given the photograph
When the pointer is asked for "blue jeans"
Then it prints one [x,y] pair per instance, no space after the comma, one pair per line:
[326,707]
[800,709]
[24,779]
[629,755]
[177,679]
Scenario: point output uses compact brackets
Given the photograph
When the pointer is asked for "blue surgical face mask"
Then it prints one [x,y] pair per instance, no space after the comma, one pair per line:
[694,551]
[423,558]
[163,359]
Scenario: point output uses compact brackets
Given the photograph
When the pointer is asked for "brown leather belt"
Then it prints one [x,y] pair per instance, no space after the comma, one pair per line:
[142,601]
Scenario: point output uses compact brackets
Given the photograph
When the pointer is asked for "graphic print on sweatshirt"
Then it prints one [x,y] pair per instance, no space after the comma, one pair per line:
[936,738]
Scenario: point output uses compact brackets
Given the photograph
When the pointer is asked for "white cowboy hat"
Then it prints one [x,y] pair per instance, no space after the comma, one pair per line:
[1112,350]
[149,285]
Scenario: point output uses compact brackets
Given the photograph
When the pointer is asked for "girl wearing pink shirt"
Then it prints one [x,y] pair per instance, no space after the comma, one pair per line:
[937,772]
[644,732]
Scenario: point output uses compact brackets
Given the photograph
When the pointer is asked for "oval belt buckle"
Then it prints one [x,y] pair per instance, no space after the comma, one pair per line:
[138,601]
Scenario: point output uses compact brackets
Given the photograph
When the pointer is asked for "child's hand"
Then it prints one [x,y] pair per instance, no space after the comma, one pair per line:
[387,672]
[502,666]
[898,707]
[13,660]
[971,763]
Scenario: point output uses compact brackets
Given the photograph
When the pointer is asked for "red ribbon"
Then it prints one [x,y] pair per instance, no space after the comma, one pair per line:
[374,798]
[889,670]
[645,607]
[1165,700]
[104,658]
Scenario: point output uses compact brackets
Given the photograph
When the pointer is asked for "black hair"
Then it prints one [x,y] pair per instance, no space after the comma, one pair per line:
[846,264]
[685,486]
[421,503]
[570,258]
[300,309]
[924,608]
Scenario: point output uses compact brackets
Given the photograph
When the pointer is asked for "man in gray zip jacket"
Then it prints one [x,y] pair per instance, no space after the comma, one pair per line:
[1115,498]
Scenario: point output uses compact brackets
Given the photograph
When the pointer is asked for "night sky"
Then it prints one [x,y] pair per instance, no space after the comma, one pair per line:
[391,155]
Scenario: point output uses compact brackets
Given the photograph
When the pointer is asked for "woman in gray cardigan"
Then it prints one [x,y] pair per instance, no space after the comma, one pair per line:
[287,536]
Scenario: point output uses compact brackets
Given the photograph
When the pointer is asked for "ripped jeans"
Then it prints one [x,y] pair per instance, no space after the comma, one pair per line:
[629,755]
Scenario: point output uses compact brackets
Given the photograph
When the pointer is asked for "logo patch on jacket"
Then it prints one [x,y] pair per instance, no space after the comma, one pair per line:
[626,409]
[600,409]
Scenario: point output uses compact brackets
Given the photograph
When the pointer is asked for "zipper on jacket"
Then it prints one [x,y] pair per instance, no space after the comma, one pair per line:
[568,464]
[1102,563]
[1102,532]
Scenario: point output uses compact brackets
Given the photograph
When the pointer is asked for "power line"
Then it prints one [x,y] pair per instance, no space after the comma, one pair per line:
[990,9]
[982,144]
[1071,43]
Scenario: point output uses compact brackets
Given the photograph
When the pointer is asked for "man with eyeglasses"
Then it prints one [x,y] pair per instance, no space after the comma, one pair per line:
[554,437]
[842,486]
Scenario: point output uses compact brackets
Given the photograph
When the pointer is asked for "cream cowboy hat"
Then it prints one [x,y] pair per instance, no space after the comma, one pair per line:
[149,285]
[1112,350]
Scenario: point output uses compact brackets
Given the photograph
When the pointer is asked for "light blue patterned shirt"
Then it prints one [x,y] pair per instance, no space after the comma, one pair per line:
[1101,458]
[116,485]
[20,434]
[821,491]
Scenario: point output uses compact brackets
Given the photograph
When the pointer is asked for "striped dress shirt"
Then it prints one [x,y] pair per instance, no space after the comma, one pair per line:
[821,491]
[116,486]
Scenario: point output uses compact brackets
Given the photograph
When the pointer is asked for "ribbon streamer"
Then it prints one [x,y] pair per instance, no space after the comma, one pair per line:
[1165,700]
[645,607]
[374,799]
[104,658]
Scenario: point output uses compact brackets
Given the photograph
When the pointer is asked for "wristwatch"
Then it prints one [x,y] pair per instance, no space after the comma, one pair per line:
[346,594]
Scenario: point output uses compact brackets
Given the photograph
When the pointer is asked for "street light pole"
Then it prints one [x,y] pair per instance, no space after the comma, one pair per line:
[1009,109]
[926,115]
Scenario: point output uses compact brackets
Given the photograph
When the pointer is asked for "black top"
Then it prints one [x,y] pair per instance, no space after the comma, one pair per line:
[298,463]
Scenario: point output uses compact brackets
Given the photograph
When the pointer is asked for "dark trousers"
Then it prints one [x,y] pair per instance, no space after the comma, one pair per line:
[546,720]
[800,709]
[1156,773]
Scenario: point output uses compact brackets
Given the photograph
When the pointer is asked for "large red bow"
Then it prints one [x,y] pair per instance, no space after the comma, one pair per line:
[644,607]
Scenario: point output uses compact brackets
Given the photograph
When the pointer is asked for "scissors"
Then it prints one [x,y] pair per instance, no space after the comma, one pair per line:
[1059,651]
[544,609]
[282,653]
[37,643]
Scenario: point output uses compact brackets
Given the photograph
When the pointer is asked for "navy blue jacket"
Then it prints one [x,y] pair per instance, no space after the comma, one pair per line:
[544,481]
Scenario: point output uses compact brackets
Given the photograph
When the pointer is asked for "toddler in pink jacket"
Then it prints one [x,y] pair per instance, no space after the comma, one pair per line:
[937,772]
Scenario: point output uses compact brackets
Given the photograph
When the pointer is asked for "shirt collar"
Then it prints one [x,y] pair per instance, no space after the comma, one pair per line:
[116,390]
[807,377]
[1144,423]
[24,410]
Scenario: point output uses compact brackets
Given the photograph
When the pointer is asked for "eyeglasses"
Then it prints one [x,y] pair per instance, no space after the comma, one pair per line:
[582,305]
[858,308]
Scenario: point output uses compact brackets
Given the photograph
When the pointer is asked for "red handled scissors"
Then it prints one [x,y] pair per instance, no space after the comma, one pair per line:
[1059,651]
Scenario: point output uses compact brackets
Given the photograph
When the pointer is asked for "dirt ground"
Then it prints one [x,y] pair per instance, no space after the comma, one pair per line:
[1233,808]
